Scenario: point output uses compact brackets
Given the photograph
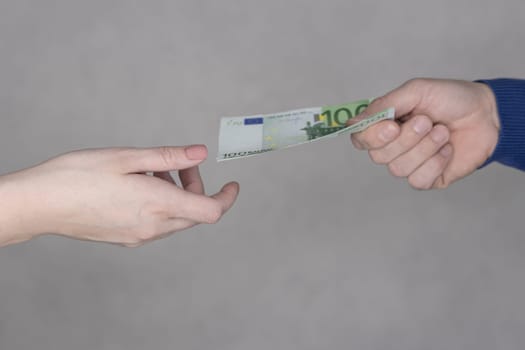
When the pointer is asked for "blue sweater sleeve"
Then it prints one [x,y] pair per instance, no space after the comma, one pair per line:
[510,99]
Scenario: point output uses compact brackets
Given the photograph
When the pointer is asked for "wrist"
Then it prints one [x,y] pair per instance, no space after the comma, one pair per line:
[510,103]
[491,106]
[490,110]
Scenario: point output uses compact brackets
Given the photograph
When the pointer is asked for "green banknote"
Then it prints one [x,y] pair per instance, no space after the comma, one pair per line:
[241,137]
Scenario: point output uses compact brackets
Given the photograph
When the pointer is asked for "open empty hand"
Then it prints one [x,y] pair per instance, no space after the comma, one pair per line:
[125,196]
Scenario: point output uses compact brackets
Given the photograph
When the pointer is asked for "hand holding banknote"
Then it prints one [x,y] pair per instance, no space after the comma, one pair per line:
[444,130]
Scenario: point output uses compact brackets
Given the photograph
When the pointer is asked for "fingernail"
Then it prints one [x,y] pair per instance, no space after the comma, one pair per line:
[439,135]
[196,152]
[446,151]
[388,133]
[422,125]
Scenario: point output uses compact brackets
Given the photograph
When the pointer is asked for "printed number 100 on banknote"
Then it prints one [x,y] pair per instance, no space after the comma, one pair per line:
[241,137]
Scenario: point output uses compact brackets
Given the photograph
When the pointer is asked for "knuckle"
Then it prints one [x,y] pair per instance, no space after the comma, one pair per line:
[147,233]
[440,184]
[419,183]
[79,158]
[443,132]
[397,169]
[415,83]
[167,155]
[381,100]
[214,215]
[378,157]
[436,165]
[372,140]
[406,141]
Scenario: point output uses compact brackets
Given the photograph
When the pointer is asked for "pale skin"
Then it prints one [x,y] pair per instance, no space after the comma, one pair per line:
[124,196]
[444,130]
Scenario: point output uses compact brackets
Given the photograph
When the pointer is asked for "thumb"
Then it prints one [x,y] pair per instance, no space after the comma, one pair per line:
[405,99]
[158,159]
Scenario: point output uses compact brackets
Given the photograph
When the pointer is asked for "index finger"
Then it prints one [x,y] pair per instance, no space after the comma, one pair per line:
[159,159]
[405,99]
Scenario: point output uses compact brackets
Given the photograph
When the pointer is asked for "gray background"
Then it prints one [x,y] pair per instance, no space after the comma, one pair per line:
[323,250]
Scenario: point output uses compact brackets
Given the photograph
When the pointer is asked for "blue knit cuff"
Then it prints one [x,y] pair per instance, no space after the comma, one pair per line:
[510,99]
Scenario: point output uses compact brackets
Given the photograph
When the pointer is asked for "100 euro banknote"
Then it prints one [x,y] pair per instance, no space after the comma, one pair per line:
[241,137]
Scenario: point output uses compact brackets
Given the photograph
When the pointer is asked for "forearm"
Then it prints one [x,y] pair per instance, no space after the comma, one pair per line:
[15,225]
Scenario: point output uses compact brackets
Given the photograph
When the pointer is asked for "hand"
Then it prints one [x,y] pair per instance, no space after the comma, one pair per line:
[445,129]
[106,195]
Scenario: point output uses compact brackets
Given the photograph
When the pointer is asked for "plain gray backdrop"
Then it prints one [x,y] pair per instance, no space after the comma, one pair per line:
[323,250]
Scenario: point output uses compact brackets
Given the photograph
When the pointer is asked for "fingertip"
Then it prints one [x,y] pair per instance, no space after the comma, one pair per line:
[446,151]
[231,187]
[196,152]
[227,195]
